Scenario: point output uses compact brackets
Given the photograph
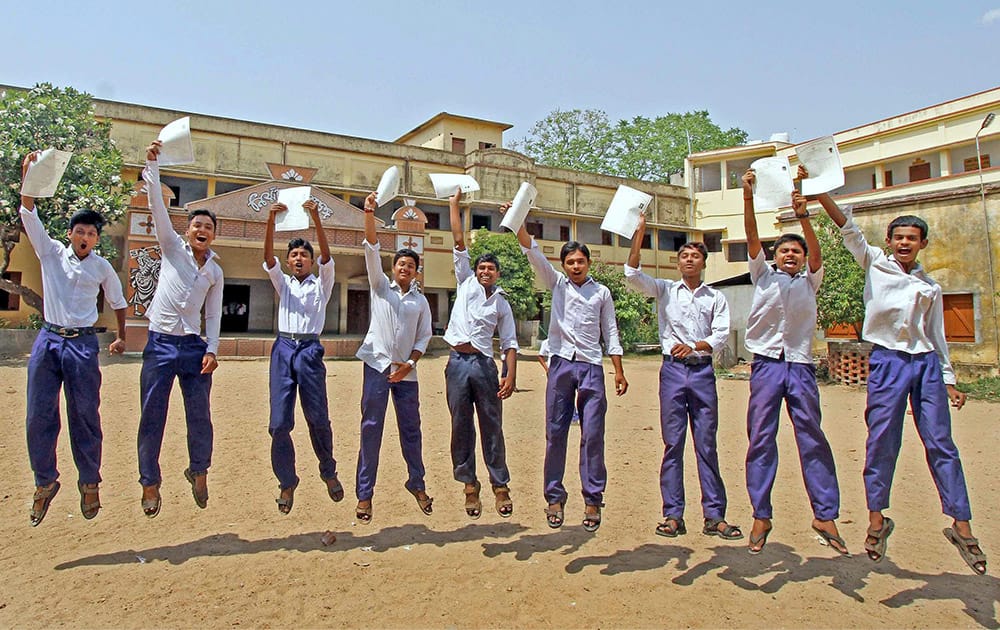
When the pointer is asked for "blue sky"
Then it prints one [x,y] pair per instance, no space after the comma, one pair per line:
[376,68]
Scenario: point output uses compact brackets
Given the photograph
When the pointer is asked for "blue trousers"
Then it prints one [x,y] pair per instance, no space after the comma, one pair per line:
[771,381]
[375,393]
[71,364]
[298,366]
[164,358]
[895,377]
[688,394]
[579,384]
[472,382]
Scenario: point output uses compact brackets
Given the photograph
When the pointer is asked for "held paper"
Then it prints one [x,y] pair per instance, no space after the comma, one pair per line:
[774,185]
[388,186]
[177,148]
[445,184]
[295,218]
[822,159]
[622,217]
[523,200]
[44,174]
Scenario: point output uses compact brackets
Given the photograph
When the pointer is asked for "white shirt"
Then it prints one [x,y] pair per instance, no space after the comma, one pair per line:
[183,287]
[475,316]
[685,316]
[783,313]
[69,284]
[903,311]
[400,322]
[581,315]
[302,305]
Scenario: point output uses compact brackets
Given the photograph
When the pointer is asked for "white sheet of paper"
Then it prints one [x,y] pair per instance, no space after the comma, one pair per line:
[295,218]
[822,159]
[44,174]
[622,216]
[445,184]
[523,200]
[774,185]
[388,186]
[177,148]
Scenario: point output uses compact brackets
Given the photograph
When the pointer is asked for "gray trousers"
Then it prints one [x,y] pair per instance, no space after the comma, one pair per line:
[472,384]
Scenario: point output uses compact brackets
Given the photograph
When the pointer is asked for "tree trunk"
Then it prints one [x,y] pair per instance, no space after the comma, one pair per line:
[32,299]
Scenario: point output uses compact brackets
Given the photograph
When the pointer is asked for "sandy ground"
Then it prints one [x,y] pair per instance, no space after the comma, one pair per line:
[241,563]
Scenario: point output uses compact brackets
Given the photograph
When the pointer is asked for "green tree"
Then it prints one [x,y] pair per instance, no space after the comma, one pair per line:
[633,310]
[516,275]
[840,299]
[642,148]
[44,117]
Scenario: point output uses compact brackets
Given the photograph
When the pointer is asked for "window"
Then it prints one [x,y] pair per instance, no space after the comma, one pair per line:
[888,178]
[433,220]
[647,241]
[671,241]
[458,145]
[920,170]
[606,238]
[486,145]
[480,221]
[713,241]
[734,172]
[185,189]
[972,164]
[708,177]
[10,301]
[534,228]
[737,252]
[222,188]
[768,247]
[959,318]
[563,232]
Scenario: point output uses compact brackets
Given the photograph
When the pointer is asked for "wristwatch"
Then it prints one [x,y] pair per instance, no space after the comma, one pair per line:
[411,363]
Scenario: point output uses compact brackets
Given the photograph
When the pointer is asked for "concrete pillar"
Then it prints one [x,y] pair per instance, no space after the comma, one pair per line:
[944,157]
[342,320]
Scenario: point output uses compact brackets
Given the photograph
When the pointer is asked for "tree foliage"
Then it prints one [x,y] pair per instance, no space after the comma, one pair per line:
[840,299]
[641,148]
[516,275]
[44,117]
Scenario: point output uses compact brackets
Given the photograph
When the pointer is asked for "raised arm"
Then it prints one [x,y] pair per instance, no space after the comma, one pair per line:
[634,259]
[799,205]
[28,202]
[41,242]
[370,206]
[749,218]
[168,239]
[269,259]
[377,280]
[455,213]
[324,245]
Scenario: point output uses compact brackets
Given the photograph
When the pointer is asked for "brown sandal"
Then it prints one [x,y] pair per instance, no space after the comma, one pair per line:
[473,506]
[89,510]
[45,494]
[505,507]
[425,504]
[151,507]
[364,513]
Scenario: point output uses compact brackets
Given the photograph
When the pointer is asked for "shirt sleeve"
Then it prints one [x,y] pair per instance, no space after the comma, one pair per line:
[40,240]
[815,278]
[424,331]
[642,281]
[276,275]
[856,243]
[377,279]
[168,239]
[935,324]
[506,327]
[720,323]
[112,288]
[213,314]
[463,269]
[544,269]
[758,266]
[609,325]
[327,277]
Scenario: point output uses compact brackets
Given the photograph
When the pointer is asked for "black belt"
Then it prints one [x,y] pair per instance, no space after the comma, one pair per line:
[691,359]
[299,336]
[69,333]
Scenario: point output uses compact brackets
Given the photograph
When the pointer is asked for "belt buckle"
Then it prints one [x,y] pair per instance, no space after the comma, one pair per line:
[69,333]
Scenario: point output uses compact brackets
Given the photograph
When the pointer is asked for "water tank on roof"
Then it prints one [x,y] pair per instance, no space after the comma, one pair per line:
[781,136]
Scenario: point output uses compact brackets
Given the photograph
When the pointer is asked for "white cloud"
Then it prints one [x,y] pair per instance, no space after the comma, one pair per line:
[991,16]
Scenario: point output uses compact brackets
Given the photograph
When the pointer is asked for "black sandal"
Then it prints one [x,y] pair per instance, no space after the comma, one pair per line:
[729,532]
[671,527]
[45,494]
[876,550]
[555,516]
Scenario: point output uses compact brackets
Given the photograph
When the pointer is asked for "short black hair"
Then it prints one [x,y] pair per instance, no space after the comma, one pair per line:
[487,258]
[698,246]
[87,217]
[795,238]
[908,220]
[573,246]
[202,212]
[407,252]
[297,243]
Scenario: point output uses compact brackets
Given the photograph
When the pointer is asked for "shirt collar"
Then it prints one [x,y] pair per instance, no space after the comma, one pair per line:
[918,269]
[211,254]
[394,285]
[309,279]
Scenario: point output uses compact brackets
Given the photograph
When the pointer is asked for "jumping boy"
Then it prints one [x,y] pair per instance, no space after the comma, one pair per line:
[297,356]
[583,314]
[780,329]
[65,353]
[471,374]
[904,321]
[694,323]
[190,278]
[398,334]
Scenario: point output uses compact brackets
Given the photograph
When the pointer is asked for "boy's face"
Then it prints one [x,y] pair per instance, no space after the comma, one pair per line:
[83,239]
[300,261]
[576,267]
[905,243]
[404,271]
[690,262]
[487,274]
[201,233]
[790,257]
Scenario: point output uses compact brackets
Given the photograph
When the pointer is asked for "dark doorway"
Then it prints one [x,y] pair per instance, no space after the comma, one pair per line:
[235,308]
[357,311]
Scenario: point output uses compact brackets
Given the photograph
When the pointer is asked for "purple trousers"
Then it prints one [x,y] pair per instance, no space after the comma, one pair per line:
[895,377]
[70,364]
[579,384]
[688,394]
[297,366]
[374,402]
[771,381]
